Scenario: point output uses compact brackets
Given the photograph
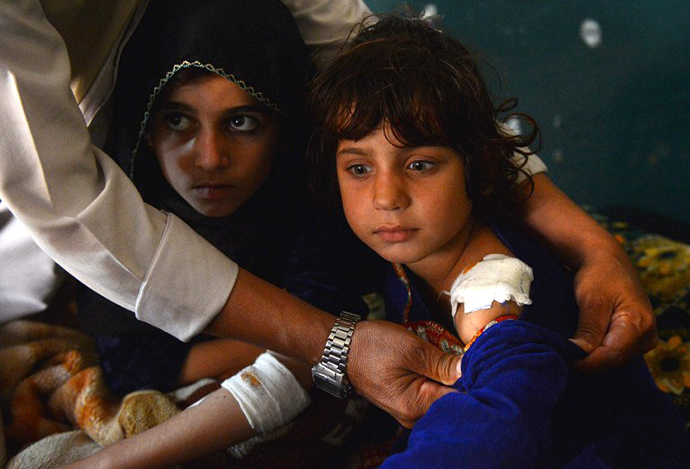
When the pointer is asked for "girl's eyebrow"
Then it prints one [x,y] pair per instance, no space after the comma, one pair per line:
[174,106]
[254,108]
[357,151]
[402,151]
[180,106]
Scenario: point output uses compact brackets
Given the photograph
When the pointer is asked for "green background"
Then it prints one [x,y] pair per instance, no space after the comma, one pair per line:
[615,119]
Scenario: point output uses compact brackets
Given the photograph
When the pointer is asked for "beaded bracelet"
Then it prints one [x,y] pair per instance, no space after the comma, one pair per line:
[505,317]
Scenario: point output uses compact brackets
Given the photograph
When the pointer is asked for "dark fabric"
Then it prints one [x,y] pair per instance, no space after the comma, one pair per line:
[515,378]
[276,235]
[131,363]
[521,405]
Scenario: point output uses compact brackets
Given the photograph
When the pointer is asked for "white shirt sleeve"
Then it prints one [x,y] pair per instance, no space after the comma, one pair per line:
[534,165]
[79,206]
[326,24]
[28,277]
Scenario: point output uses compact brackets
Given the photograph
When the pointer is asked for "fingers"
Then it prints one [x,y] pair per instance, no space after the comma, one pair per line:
[438,365]
[630,334]
[427,393]
[397,371]
[616,323]
[591,330]
[616,319]
[436,370]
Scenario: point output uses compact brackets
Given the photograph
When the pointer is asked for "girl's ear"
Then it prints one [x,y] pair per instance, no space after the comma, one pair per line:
[148,139]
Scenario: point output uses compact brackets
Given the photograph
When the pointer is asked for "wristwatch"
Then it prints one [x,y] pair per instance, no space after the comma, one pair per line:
[329,374]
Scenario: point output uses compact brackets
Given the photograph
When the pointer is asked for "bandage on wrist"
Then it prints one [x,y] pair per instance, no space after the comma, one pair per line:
[268,393]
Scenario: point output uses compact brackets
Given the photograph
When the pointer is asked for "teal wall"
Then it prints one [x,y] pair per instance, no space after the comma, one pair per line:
[615,119]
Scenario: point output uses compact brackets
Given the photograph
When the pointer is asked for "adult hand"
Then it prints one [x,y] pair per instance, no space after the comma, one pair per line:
[399,372]
[616,318]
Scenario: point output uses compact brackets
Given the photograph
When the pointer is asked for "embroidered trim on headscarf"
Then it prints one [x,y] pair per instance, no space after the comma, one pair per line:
[258,95]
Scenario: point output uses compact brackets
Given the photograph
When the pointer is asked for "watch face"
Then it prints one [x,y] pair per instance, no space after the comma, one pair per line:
[329,381]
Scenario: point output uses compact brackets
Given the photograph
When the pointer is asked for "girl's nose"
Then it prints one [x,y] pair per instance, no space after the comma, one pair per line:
[390,192]
[212,151]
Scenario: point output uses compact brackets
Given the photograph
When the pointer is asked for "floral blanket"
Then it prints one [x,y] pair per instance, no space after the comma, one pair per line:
[664,266]
[57,408]
[50,384]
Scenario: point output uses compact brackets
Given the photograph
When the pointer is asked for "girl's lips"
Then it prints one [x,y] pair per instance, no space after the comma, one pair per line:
[212,192]
[395,234]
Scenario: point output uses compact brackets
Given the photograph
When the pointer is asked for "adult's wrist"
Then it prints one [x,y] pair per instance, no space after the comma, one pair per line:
[599,247]
[266,315]
[330,373]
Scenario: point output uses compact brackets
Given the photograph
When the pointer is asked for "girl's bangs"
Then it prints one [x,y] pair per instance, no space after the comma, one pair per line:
[409,110]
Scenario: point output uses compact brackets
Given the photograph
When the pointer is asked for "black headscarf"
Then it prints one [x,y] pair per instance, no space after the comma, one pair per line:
[256,45]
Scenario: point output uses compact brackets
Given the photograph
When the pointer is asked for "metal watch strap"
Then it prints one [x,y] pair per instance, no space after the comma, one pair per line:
[330,373]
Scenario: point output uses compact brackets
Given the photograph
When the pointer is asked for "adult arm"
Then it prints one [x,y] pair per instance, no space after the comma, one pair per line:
[388,365]
[79,206]
[616,319]
[85,213]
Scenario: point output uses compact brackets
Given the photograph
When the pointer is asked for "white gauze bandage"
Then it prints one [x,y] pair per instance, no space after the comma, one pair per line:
[495,278]
[268,393]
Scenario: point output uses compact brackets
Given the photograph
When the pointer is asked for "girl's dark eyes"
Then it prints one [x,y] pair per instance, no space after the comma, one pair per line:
[416,166]
[243,123]
[177,122]
[421,166]
[359,169]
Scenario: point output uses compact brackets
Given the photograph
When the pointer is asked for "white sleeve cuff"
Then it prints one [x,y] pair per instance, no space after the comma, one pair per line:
[188,283]
[533,166]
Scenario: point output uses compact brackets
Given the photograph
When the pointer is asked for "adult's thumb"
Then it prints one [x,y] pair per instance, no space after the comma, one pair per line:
[590,332]
[440,366]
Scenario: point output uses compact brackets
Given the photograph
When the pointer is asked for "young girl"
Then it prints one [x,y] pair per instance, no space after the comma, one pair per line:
[427,181]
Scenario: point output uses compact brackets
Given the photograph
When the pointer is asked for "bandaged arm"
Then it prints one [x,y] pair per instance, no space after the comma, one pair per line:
[268,393]
[216,422]
[498,285]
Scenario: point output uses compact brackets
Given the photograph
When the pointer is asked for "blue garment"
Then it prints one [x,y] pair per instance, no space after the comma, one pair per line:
[520,404]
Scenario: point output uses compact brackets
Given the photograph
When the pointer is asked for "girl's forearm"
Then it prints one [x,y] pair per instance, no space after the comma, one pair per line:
[214,425]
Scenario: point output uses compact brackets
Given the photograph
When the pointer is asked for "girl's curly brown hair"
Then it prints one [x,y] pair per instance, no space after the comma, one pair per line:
[427,86]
